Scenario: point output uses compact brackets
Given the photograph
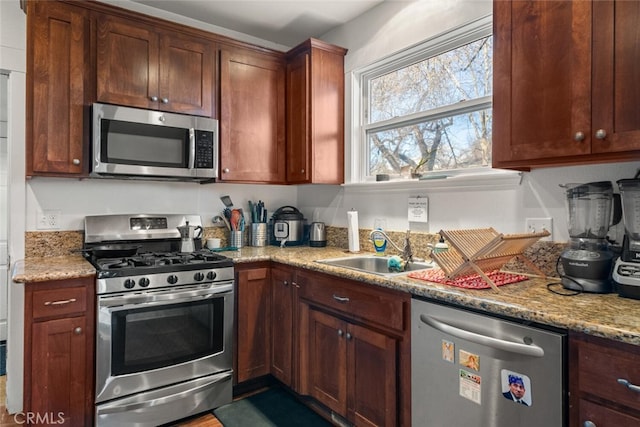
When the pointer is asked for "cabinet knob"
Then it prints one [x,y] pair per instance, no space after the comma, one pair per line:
[225,170]
[301,170]
[154,98]
[589,424]
[295,284]
[77,330]
[165,100]
[349,336]
[579,136]
[601,134]
[76,162]
[284,282]
[340,333]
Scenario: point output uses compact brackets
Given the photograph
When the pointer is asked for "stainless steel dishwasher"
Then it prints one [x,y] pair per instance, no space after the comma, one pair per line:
[475,370]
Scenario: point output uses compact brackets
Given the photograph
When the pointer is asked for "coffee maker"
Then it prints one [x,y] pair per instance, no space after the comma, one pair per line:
[187,237]
[587,260]
[626,272]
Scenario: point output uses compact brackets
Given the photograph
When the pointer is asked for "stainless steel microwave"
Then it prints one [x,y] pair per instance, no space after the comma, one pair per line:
[146,144]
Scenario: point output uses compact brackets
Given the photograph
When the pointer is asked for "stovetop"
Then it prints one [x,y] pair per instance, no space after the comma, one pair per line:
[159,262]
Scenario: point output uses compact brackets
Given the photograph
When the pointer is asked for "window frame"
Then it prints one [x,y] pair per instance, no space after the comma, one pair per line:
[360,78]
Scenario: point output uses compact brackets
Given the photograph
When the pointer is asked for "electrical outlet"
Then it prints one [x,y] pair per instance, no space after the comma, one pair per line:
[536,225]
[49,219]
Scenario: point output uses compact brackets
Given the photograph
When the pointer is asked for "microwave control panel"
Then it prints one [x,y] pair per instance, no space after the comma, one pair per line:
[204,149]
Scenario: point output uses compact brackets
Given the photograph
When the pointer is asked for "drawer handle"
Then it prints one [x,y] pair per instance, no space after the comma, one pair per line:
[343,300]
[61,302]
[629,385]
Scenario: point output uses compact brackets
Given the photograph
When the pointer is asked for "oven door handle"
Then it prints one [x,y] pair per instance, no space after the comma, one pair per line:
[163,400]
[151,298]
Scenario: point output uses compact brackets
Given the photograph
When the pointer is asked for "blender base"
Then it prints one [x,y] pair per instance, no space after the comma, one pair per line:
[587,285]
[627,278]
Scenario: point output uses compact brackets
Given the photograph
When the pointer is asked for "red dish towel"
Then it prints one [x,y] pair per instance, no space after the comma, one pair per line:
[472,281]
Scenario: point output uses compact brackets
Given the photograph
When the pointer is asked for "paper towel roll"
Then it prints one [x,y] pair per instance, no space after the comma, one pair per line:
[353,232]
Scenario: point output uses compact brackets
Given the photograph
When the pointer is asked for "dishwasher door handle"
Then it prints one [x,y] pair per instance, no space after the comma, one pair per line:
[510,346]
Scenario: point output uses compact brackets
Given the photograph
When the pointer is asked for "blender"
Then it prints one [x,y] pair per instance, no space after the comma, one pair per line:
[587,260]
[626,272]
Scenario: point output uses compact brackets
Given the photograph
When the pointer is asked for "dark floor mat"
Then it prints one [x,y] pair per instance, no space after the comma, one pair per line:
[272,408]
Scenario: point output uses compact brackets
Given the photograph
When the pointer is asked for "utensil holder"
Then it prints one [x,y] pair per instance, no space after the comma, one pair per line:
[259,234]
[236,239]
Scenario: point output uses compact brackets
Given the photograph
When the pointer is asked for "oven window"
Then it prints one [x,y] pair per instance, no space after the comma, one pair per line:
[155,337]
[143,144]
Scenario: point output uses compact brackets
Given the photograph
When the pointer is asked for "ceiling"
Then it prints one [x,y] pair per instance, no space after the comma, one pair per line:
[285,22]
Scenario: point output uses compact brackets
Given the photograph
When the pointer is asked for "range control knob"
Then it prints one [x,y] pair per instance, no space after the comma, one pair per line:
[211,275]
[198,276]
[129,283]
[144,282]
[173,279]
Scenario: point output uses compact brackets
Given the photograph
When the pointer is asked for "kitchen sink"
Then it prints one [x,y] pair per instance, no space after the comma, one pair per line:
[373,264]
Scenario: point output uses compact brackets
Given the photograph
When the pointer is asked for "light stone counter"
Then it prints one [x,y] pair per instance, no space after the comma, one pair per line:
[605,315]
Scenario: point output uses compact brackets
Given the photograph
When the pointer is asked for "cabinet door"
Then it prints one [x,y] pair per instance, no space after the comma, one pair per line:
[186,74]
[372,373]
[127,63]
[298,117]
[542,80]
[328,360]
[282,334]
[58,362]
[252,111]
[253,313]
[57,70]
[616,86]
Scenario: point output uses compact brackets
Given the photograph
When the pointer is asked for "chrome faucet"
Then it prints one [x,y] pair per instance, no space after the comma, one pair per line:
[406,253]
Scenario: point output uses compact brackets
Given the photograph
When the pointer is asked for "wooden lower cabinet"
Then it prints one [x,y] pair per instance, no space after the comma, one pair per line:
[253,322]
[284,340]
[352,370]
[59,352]
[351,360]
[596,368]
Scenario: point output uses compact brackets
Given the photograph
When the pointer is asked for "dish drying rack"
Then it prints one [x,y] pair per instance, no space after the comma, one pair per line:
[481,250]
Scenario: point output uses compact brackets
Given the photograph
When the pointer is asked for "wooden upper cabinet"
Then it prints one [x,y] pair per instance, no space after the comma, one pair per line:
[315,113]
[252,116]
[563,90]
[142,66]
[57,81]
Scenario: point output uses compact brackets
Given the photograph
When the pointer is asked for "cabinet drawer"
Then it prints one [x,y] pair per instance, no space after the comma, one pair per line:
[59,302]
[355,300]
[600,369]
[602,416]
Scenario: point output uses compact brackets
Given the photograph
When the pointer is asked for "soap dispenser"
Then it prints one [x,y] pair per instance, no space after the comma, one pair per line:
[379,239]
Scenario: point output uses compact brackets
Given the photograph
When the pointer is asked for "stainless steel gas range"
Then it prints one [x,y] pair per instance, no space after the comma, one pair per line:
[164,321]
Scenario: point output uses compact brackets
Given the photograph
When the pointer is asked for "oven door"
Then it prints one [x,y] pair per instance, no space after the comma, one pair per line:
[158,338]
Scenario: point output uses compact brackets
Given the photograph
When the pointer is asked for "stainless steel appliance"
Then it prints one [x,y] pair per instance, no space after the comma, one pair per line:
[287,227]
[469,369]
[317,235]
[626,272]
[587,261]
[136,143]
[165,320]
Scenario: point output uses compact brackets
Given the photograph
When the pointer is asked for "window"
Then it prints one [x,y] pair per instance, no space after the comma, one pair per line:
[427,110]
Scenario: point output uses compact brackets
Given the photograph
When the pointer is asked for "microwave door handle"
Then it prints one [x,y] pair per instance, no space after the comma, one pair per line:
[192,148]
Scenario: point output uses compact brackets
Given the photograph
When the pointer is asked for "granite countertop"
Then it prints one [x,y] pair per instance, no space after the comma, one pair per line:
[604,315]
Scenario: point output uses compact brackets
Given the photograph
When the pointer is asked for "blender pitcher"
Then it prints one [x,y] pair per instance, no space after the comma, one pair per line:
[587,261]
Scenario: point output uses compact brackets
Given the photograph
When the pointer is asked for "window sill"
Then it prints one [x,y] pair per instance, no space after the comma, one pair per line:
[495,180]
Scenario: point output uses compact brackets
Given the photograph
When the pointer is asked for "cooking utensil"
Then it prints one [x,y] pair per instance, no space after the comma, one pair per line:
[227,201]
[110,251]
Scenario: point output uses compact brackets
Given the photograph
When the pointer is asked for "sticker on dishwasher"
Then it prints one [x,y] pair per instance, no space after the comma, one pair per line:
[516,387]
[448,351]
[470,386]
[469,360]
